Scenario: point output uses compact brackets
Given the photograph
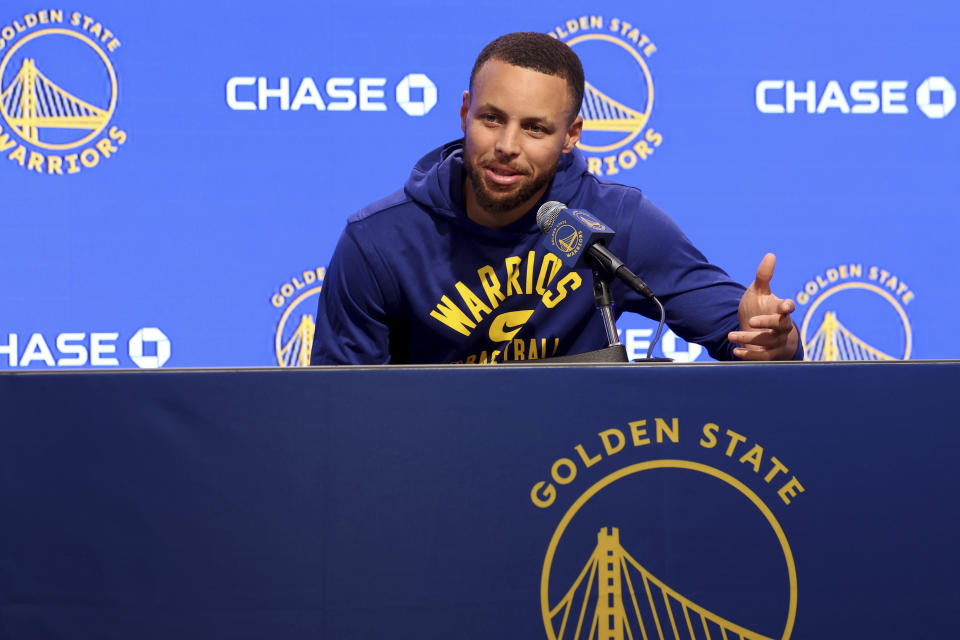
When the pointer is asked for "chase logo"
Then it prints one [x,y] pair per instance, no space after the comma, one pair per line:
[293,338]
[601,580]
[935,97]
[58,92]
[618,96]
[856,313]
[148,348]
[567,239]
[415,94]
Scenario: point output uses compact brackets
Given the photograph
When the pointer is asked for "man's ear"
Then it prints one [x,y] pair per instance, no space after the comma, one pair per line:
[464,108]
[572,137]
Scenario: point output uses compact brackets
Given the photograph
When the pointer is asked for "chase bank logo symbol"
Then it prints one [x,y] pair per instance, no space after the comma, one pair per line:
[58,92]
[936,97]
[856,313]
[596,582]
[293,338]
[409,102]
[618,93]
[567,238]
[149,348]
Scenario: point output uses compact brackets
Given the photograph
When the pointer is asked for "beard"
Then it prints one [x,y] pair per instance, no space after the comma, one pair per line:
[491,200]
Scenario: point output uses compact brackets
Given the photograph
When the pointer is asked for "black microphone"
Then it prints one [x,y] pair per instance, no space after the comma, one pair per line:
[576,235]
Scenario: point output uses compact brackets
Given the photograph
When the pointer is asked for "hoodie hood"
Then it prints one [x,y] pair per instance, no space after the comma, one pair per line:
[436,183]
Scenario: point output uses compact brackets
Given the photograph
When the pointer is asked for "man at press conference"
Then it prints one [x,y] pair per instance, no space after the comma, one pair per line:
[453,268]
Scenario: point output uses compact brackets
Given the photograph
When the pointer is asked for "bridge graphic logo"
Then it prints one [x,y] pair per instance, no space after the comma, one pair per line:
[615,597]
[618,93]
[856,320]
[293,338]
[32,103]
[59,94]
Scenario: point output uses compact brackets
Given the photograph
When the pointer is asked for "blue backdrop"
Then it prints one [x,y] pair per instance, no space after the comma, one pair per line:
[175,176]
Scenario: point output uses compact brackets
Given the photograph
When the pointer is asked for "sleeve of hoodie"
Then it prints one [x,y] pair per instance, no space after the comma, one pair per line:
[699,298]
[352,325]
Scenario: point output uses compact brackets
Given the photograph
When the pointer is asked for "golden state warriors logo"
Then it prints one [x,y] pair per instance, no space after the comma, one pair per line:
[567,238]
[58,92]
[856,312]
[618,96]
[589,220]
[725,568]
[293,339]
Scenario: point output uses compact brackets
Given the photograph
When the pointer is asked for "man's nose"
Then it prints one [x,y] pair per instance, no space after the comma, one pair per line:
[508,143]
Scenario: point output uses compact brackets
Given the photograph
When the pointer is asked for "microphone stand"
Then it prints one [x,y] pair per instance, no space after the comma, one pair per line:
[615,351]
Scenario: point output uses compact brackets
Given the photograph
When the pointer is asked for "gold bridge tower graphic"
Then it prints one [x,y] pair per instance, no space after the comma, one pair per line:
[833,341]
[33,102]
[296,351]
[624,609]
[602,113]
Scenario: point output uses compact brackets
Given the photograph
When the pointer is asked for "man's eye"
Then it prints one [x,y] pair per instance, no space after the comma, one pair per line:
[489,117]
[535,128]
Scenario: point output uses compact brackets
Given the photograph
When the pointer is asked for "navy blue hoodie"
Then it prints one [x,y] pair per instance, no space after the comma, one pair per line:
[414,280]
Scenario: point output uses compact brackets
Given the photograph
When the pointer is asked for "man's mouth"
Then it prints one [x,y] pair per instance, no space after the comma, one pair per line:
[502,175]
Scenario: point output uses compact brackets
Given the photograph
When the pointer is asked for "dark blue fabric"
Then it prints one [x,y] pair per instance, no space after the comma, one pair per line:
[401,258]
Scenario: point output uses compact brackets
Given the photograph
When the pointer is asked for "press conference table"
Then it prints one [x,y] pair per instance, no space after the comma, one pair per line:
[787,500]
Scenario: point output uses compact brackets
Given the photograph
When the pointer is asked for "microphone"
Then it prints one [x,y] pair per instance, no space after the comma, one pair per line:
[576,235]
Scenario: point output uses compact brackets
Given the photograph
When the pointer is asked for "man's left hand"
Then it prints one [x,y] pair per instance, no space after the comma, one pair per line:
[766,330]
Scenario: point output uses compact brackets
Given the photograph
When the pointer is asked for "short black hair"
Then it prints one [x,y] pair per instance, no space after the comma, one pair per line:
[539,52]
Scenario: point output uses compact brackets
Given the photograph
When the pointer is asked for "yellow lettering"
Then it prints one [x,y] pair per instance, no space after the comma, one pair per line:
[513,274]
[471,359]
[474,304]
[548,496]
[532,353]
[96,29]
[74,18]
[105,147]
[639,434]
[563,463]
[35,162]
[55,165]
[654,138]
[709,439]
[587,460]
[611,165]
[548,271]
[19,154]
[491,285]
[754,457]
[790,490]
[613,441]
[451,315]
[573,279]
[118,134]
[56,15]
[673,431]
[89,158]
[777,468]
[594,165]
[531,258]
[6,142]
[113,45]
[735,438]
[519,347]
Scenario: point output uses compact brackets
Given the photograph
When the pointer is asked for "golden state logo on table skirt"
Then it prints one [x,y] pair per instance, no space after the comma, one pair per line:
[293,338]
[618,97]
[856,311]
[58,92]
[725,568]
